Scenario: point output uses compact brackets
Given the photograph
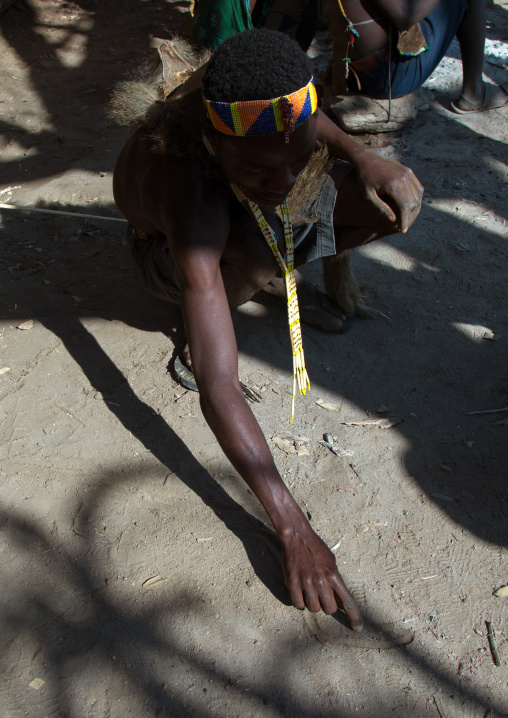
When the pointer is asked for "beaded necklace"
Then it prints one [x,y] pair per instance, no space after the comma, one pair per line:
[286,264]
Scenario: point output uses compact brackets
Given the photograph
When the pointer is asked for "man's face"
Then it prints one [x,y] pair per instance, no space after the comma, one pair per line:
[265,167]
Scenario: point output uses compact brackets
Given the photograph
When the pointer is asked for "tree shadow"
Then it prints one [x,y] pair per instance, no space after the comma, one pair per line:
[63,61]
[88,273]
[91,276]
[72,626]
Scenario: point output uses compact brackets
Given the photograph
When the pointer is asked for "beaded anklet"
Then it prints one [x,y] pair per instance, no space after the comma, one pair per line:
[300,375]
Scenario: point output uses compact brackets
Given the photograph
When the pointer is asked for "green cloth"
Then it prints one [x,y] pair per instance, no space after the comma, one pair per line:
[216,20]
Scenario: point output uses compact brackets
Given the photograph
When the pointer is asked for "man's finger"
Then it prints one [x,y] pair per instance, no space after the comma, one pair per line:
[328,601]
[384,208]
[410,207]
[311,599]
[296,596]
[408,213]
[348,603]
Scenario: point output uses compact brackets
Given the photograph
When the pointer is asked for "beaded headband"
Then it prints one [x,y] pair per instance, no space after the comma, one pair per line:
[263,117]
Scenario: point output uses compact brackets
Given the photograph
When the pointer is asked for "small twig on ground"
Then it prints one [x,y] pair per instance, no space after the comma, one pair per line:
[487,411]
[90,538]
[439,706]
[501,422]
[492,644]
[365,312]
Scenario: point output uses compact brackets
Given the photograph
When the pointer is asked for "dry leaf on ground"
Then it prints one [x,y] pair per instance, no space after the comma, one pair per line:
[380,423]
[501,592]
[26,325]
[37,683]
[294,437]
[153,582]
[491,336]
[283,444]
[328,406]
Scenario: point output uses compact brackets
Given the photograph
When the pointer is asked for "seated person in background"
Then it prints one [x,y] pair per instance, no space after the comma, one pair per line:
[388,48]
[204,182]
[216,20]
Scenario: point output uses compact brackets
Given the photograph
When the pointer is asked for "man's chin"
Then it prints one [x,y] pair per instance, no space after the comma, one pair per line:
[270,202]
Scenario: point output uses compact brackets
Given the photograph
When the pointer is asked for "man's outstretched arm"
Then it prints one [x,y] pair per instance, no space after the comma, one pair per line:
[309,567]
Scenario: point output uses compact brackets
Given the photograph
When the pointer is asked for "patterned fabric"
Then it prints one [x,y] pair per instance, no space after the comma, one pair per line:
[216,20]
[264,117]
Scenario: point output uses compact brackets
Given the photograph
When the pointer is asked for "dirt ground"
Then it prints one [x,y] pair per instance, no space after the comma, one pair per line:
[139,575]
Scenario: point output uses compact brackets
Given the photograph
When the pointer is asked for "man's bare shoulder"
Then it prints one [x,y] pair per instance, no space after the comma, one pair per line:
[160,192]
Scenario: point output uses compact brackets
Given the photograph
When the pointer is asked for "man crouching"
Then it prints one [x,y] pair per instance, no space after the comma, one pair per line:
[204,183]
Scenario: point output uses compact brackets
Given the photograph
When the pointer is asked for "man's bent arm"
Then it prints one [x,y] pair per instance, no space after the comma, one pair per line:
[378,176]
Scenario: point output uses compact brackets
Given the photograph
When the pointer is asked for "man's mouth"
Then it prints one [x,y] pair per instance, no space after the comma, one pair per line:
[272,200]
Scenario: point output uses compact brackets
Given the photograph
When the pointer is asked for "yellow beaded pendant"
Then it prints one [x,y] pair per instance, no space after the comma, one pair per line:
[300,376]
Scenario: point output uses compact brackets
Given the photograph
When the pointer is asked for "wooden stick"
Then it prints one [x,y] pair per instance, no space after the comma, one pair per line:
[487,411]
[439,706]
[56,211]
[492,644]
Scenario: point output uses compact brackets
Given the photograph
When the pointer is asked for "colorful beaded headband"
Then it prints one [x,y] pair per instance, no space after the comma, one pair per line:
[263,117]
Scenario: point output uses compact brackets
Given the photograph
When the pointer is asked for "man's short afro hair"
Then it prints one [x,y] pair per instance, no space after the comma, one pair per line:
[256,65]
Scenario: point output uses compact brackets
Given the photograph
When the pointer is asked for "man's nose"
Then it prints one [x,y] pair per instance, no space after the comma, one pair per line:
[280,180]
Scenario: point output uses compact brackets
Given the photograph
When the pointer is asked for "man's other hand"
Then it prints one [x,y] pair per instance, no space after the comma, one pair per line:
[391,187]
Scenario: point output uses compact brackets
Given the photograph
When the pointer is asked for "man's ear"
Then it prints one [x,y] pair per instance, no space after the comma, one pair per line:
[213,136]
[209,129]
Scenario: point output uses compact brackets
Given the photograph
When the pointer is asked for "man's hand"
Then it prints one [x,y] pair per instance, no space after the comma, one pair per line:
[391,187]
[387,184]
[312,578]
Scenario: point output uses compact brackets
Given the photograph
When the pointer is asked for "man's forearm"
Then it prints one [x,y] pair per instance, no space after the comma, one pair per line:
[340,145]
[237,431]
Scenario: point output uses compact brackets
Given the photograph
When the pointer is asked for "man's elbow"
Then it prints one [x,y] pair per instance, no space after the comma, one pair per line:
[217,393]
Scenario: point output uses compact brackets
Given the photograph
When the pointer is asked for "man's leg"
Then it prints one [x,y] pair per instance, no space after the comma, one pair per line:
[356,222]
[346,220]
[471,37]
[249,265]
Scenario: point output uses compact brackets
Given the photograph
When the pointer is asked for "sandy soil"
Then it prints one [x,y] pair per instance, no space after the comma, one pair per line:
[110,476]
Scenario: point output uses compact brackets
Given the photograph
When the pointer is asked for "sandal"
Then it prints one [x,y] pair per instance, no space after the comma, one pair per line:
[488,102]
[187,380]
